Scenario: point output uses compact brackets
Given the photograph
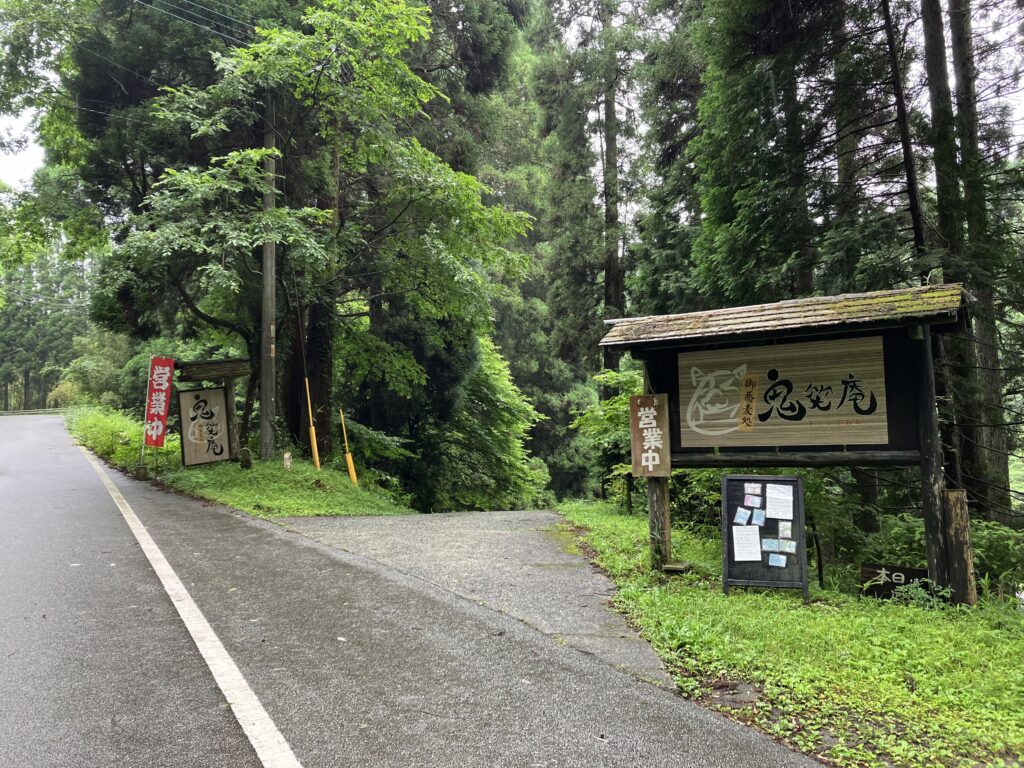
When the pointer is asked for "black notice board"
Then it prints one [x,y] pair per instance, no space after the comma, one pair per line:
[738,499]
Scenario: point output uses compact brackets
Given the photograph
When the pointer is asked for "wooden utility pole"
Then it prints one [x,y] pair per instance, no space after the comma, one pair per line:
[268,342]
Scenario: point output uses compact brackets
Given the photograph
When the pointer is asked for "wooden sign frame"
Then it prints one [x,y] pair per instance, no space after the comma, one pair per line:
[746,574]
[903,399]
[785,394]
[225,421]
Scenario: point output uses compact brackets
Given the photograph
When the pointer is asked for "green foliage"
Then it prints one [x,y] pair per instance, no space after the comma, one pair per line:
[1017,476]
[859,682]
[45,301]
[267,490]
[117,438]
[606,422]
[477,458]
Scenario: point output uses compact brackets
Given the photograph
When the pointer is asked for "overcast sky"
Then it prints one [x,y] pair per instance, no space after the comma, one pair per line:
[16,170]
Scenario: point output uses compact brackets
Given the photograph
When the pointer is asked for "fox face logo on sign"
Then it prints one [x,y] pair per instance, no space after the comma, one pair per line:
[158,399]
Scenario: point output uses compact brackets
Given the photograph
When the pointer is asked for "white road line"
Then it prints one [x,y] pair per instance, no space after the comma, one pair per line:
[271,747]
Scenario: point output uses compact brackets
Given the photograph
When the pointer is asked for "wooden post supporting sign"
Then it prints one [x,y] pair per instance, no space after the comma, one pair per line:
[658,521]
[958,539]
[649,439]
[932,483]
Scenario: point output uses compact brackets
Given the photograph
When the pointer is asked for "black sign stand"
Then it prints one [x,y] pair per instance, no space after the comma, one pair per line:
[749,573]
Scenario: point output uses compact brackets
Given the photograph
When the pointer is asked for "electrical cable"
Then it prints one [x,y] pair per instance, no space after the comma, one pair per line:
[191,18]
[152,5]
[232,19]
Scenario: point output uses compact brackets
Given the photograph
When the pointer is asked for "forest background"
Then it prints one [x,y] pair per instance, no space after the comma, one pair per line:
[464,192]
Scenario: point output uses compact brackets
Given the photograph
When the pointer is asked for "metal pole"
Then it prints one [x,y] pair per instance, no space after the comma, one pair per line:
[348,456]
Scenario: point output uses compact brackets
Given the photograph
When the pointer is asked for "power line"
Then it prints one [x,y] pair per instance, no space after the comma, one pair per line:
[111,61]
[225,35]
[232,19]
[115,115]
[228,7]
[151,4]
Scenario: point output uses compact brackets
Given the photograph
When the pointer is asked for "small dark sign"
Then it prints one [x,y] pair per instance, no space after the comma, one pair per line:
[763,542]
[881,580]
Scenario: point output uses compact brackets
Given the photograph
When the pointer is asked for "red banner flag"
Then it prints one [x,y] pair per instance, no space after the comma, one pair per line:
[158,399]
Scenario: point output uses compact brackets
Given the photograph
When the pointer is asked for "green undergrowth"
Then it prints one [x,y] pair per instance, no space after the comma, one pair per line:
[858,682]
[267,490]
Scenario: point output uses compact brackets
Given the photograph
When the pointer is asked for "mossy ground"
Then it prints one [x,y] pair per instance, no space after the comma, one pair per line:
[854,681]
[267,490]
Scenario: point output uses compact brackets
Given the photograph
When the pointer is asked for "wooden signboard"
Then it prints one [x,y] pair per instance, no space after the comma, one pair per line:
[807,393]
[649,436]
[204,426]
[878,580]
[763,542]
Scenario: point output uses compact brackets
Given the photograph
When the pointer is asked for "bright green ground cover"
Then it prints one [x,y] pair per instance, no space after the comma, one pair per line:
[267,490]
[856,681]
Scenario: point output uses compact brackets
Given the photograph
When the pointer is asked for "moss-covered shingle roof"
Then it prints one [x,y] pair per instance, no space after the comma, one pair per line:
[928,303]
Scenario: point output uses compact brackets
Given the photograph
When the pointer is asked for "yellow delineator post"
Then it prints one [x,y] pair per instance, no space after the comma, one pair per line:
[348,456]
[312,429]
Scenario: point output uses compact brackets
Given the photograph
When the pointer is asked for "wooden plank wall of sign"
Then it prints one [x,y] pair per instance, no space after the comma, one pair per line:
[809,393]
[226,370]
[205,430]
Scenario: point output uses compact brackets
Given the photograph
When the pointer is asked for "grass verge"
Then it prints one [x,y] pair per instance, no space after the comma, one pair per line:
[267,490]
[856,682]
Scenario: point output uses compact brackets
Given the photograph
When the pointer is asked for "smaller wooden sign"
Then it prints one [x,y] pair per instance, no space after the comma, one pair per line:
[878,580]
[204,426]
[649,436]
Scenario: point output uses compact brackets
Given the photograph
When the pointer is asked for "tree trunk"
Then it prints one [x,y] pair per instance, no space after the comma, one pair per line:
[268,306]
[867,489]
[903,124]
[320,360]
[989,464]
[943,138]
[5,394]
[847,144]
[245,424]
[294,394]
[377,417]
[959,357]
[614,273]
[26,381]
[803,285]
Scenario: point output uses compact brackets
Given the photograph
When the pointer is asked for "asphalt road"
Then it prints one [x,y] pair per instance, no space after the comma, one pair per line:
[355,664]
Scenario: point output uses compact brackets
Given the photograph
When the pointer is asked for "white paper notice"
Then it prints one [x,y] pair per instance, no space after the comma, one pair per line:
[746,543]
[779,501]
